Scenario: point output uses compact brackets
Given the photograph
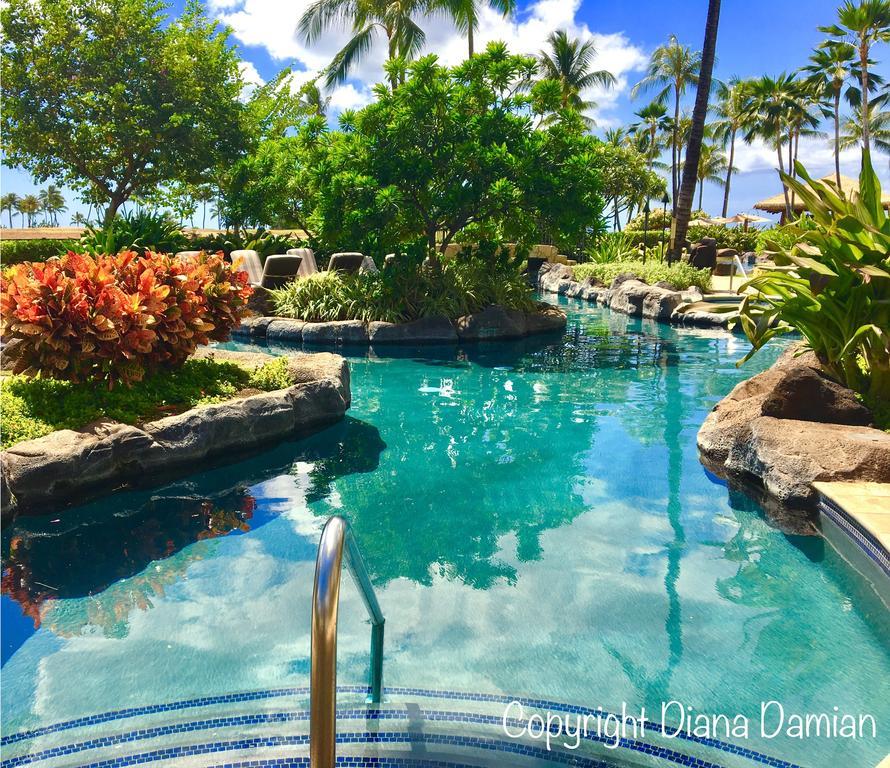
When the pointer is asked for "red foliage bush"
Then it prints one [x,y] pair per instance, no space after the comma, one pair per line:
[115,318]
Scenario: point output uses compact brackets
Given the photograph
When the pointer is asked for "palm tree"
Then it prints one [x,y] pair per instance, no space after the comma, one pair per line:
[79,220]
[864,24]
[697,128]
[52,202]
[9,202]
[29,206]
[569,61]
[731,110]
[771,101]
[366,18]
[831,66]
[712,164]
[671,67]
[312,100]
[466,14]
[878,129]
[653,120]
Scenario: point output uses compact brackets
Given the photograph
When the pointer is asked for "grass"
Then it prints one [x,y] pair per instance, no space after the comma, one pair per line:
[33,407]
[679,275]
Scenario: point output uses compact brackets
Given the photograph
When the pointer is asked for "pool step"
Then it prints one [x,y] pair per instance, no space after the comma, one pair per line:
[413,727]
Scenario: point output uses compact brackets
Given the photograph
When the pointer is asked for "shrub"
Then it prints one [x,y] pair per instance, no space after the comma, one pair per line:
[615,246]
[114,318]
[406,290]
[140,231]
[727,237]
[18,251]
[679,274]
[837,294]
[33,407]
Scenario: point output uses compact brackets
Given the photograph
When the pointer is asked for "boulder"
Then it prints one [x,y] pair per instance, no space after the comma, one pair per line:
[283,329]
[805,393]
[426,330]
[747,435]
[336,332]
[659,303]
[555,278]
[546,319]
[491,323]
[789,456]
[101,457]
[628,295]
[254,327]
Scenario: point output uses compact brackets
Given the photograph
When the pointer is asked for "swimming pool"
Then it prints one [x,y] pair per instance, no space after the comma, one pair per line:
[534,518]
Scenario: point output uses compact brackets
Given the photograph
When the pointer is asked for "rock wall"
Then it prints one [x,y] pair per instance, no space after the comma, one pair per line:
[790,427]
[67,465]
[630,295]
[490,324]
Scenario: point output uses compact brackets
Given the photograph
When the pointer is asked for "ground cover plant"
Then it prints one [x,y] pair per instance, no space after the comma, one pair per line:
[679,274]
[35,406]
[407,289]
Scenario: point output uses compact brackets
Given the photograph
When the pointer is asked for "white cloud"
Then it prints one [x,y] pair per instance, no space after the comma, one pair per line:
[251,78]
[273,25]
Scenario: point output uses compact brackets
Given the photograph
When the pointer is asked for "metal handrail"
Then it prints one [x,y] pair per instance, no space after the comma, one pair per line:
[335,539]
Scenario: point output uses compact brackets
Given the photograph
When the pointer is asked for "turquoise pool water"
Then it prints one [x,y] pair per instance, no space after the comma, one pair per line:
[535,519]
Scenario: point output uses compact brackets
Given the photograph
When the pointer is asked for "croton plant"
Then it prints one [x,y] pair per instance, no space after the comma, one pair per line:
[115,318]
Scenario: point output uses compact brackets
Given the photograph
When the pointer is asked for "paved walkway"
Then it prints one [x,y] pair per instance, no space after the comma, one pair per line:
[867,503]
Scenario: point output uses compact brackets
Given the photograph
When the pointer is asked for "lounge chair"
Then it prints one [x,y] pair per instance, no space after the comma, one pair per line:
[280,269]
[308,265]
[348,262]
[187,254]
[249,261]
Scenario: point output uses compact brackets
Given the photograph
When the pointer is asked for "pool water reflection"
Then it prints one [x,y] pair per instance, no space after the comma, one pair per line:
[535,520]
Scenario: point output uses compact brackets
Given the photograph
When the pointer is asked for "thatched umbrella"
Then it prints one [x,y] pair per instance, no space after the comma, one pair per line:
[776,203]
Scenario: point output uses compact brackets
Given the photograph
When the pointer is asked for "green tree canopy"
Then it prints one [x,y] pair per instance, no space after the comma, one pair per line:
[108,98]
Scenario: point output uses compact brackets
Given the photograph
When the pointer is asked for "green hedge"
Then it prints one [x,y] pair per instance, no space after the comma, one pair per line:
[17,251]
[680,275]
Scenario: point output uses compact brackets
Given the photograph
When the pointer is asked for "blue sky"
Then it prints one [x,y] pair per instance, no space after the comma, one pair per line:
[756,37]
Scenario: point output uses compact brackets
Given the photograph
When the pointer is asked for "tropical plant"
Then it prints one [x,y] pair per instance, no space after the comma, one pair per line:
[863,24]
[569,61]
[838,293]
[731,111]
[697,128]
[126,116]
[615,246]
[140,231]
[365,18]
[115,318]
[17,251]
[9,202]
[672,67]
[679,275]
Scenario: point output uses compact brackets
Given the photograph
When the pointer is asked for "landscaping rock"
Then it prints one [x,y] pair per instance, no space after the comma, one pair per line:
[281,329]
[254,327]
[101,457]
[628,295]
[743,438]
[659,303]
[546,319]
[491,323]
[805,393]
[427,330]
[336,332]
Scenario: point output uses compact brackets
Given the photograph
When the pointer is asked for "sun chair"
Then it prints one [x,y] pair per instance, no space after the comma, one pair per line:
[308,265]
[349,262]
[280,269]
[249,261]
[186,254]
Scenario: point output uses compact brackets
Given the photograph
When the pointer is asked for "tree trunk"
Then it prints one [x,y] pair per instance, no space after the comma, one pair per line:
[729,174]
[696,134]
[866,128]
[470,36]
[675,149]
[701,192]
[788,214]
[837,136]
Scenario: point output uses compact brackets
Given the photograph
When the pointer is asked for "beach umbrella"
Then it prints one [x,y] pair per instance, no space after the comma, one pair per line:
[747,218]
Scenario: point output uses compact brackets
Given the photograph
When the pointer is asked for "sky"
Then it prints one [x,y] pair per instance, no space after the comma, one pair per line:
[756,37]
